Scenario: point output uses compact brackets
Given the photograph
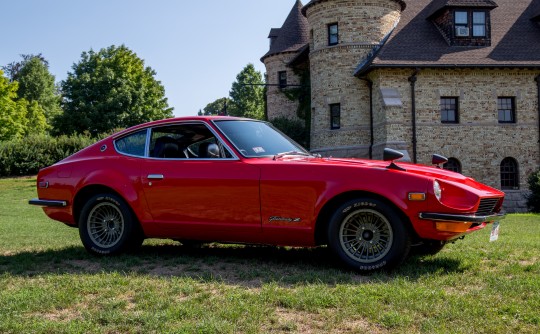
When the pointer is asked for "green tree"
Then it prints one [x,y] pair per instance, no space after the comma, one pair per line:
[13,112]
[110,89]
[247,94]
[218,107]
[37,84]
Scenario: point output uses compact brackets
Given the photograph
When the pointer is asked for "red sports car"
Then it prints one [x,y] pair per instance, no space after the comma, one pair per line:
[224,179]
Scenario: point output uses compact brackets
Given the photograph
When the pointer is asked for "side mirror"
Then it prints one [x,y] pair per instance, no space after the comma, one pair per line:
[391,155]
[213,151]
[438,160]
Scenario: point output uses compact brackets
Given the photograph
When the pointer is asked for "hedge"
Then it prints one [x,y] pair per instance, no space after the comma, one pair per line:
[26,156]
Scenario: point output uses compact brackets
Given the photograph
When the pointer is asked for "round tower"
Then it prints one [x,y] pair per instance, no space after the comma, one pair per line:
[343,35]
[286,43]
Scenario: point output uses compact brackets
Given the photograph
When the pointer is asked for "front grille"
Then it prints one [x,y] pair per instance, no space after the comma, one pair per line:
[487,206]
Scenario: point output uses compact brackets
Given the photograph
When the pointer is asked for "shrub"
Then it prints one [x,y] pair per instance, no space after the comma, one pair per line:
[26,156]
[295,129]
[533,199]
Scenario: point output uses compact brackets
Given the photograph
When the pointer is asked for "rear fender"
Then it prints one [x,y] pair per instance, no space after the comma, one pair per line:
[129,188]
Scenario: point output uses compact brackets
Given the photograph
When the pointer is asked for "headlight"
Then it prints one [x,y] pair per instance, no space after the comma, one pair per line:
[437,190]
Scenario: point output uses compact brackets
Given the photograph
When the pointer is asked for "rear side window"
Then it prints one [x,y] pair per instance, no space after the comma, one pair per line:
[134,144]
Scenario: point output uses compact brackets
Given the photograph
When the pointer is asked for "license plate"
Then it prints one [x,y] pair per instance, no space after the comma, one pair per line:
[495,232]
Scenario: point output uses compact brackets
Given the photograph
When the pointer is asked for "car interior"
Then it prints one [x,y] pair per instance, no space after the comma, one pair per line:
[186,141]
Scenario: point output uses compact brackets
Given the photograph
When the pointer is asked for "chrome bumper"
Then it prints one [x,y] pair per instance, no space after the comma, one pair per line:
[41,202]
[447,217]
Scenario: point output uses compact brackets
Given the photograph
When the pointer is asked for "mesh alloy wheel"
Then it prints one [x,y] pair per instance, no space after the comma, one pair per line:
[105,225]
[366,236]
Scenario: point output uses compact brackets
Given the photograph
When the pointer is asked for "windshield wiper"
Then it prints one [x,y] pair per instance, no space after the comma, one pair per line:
[281,155]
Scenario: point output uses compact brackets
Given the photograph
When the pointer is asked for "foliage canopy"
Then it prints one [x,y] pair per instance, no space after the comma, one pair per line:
[247,94]
[110,89]
[13,112]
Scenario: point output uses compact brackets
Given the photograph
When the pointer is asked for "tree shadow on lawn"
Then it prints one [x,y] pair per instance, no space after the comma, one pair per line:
[250,266]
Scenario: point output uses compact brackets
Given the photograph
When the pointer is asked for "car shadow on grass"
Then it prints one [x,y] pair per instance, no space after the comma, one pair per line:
[250,266]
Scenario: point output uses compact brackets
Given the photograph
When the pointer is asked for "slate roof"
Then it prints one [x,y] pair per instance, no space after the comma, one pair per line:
[312,2]
[293,35]
[416,42]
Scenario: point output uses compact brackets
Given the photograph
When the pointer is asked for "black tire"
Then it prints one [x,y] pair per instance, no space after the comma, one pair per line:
[428,247]
[368,235]
[107,226]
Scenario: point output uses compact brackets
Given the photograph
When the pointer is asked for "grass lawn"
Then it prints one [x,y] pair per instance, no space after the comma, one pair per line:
[49,284]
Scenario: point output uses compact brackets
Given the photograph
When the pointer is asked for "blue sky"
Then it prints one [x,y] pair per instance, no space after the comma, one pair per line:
[196,47]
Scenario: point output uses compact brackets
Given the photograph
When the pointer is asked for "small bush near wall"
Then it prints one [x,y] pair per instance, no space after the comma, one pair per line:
[295,129]
[26,156]
[533,199]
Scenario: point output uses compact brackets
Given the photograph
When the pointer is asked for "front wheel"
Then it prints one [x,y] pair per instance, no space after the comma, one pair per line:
[368,234]
[107,226]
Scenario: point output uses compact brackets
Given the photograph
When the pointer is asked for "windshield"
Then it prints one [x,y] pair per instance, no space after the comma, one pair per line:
[258,139]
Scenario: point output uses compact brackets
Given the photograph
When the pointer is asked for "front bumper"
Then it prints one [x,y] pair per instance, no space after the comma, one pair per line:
[447,217]
[54,204]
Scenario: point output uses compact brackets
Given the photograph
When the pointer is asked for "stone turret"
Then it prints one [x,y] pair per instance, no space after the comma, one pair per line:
[343,35]
[286,43]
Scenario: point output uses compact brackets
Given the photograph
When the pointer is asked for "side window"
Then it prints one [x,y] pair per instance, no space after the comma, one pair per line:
[282,77]
[186,141]
[335,116]
[509,174]
[333,34]
[506,107]
[133,144]
[449,110]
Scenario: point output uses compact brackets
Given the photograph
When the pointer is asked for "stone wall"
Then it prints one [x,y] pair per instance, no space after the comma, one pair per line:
[478,141]
[279,105]
[362,25]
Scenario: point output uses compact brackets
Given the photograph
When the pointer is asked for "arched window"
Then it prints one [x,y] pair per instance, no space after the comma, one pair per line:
[453,165]
[509,174]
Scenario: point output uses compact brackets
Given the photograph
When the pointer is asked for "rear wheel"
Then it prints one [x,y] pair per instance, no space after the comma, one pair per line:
[107,226]
[368,234]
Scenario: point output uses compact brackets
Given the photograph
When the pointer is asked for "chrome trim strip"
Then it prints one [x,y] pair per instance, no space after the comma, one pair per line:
[155,177]
[41,202]
[447,217]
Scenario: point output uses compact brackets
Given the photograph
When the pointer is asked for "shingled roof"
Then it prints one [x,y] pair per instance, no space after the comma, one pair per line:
[416,42]
[536,12]
[440,5]
[292,36]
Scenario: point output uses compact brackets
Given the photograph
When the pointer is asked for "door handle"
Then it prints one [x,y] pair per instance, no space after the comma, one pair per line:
[155,177]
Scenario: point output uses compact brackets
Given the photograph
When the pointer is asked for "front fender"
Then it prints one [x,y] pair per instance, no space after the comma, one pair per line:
[394,186]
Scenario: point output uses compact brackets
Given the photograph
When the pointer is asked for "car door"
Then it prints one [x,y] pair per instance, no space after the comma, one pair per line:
[196,197]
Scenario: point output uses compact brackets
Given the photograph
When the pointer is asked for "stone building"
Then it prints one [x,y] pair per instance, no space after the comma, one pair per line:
[459,78]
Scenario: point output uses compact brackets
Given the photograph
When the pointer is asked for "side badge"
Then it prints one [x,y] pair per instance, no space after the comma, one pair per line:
[284,219]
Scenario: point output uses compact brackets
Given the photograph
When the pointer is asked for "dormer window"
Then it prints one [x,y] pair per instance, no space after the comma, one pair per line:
[464,22]
[470,24]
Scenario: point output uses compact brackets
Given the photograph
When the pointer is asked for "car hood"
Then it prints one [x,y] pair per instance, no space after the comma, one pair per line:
[423,171]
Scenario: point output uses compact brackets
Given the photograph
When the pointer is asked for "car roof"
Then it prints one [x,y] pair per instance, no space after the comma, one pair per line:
[166,121]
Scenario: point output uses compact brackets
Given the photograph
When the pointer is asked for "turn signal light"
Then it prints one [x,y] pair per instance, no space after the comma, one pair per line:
[453,227]
[417,197]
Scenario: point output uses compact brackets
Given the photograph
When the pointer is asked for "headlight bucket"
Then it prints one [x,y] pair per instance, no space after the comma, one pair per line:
[437,190]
